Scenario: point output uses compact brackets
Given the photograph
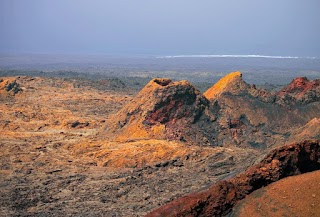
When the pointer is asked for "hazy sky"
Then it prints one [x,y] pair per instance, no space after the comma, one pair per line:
[161,27]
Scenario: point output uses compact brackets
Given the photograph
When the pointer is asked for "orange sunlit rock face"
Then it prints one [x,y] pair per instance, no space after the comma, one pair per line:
[223,85]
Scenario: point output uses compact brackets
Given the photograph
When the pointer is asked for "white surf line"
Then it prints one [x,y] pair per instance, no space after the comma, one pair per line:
[235,56]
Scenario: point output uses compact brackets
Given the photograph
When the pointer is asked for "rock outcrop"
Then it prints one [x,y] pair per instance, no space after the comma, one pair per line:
[165,110]
[9,86]
[300,90]
[219,199]
[232,83]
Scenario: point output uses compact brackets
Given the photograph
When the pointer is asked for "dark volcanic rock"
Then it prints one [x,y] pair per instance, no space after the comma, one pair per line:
[219,199]
[9,86]
[78,124]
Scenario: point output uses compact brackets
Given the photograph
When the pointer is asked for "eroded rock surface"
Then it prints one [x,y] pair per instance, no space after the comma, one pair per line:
[300,89]
[165,110]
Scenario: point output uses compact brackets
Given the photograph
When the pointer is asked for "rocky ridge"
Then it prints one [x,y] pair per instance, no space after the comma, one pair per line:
[230,113]
[252,117]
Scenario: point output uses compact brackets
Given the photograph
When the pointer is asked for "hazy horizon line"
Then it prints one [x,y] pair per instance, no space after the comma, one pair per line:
[158,56]
[235,56]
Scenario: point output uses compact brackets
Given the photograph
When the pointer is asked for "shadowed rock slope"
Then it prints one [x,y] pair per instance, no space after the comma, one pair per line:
[253,117]
[219,199]
[165,110]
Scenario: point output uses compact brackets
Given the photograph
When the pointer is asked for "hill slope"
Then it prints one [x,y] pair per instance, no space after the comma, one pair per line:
[165,110]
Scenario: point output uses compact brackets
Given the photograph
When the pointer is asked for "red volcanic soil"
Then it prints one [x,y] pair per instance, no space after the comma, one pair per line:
[219,199]
[294,196]
[299,87]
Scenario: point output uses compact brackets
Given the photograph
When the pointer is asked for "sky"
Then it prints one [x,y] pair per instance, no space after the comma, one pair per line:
[161,27]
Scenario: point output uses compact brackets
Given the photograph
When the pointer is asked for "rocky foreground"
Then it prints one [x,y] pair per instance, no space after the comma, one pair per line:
[220,198]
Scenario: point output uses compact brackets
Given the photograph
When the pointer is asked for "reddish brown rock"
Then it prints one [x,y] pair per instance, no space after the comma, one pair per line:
[297,195]
[301,89]
[164,109]
[300,85]
[175,102]
[219,199]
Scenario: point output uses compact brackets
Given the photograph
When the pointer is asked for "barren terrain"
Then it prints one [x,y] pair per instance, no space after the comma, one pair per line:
[54,160]
[293,196]
[65,152]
